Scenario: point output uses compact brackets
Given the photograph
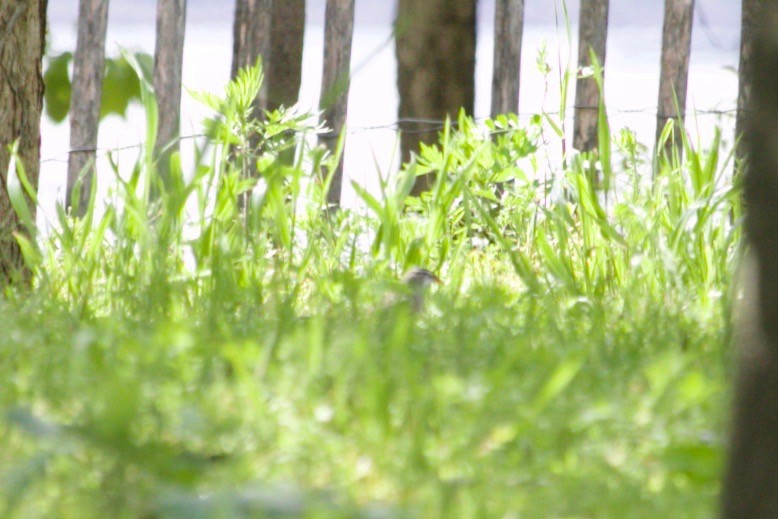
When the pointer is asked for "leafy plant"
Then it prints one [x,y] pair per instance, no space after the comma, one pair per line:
[120,85]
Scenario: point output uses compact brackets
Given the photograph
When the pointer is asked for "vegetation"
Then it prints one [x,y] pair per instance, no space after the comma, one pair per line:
[223,349]
[120,85]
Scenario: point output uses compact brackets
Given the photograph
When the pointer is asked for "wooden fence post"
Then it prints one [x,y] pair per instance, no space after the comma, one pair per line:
[168,64]
[749,19]
[87,89]
[338,34]
[251,38]
[508,31]
[674,74]
[592,37]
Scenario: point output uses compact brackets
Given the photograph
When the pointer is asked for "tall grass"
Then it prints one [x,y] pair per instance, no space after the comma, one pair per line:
[216,343]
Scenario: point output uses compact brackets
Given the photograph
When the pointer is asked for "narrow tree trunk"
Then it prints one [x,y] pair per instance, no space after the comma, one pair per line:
[674,74]
[751,482]
[251,38]
[338,33]
[749,18]
[285,63]
[251,41]
[88,72]
[592,37]
[22,43]
[435,45]
[284,66]
[168,65]
[508,30]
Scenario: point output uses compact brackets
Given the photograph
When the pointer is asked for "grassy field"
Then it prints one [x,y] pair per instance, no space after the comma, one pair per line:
[188,355]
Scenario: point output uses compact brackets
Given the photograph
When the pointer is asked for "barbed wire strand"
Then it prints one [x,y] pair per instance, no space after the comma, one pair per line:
[433,125]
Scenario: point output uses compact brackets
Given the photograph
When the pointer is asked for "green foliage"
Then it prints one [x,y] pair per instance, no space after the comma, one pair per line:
[226,349]
[120,84]
[58,87]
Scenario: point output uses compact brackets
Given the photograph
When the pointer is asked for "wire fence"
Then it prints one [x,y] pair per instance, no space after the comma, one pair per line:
[422,126]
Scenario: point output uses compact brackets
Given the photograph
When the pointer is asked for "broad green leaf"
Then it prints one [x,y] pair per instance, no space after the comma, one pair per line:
[369,199]
[58,88]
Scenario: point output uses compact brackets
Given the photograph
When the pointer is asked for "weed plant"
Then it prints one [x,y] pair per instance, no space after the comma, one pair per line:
[216,343]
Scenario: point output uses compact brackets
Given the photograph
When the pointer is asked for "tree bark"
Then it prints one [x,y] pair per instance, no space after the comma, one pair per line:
[592,36]
[285,63]
[251,38]
[22,43]
[168,66]
[273,30]
[338,33]
[85,99]
[751,481]
[435,46]
[674,73]
[508,30]
[749,17]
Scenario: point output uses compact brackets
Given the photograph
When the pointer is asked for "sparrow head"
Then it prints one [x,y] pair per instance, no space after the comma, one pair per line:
[420,278]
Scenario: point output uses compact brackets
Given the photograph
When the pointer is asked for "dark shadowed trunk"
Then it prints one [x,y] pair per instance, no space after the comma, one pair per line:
[592,37]
[435,45]
[285,63]
[251,38]
[250,42]
[273,30]
[22,43]
[751,484]
[88,72]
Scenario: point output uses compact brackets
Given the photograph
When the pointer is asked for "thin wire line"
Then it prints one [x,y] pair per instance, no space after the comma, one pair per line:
[433,125]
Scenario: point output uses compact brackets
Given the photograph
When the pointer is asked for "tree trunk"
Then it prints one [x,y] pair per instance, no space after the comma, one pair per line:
[751,482]
[168,65]
[749,19]
[674,74]
[435,45]
[508,30]
[274,31]
[22,43]
[338,33]
[285,63]
[251,38]
[86,95]
[592,37]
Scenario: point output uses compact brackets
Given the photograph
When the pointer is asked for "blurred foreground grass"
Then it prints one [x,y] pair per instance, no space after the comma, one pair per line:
[222,348]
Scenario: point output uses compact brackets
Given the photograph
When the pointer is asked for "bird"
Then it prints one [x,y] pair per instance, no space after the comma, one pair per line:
[419,280]
[411,291]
